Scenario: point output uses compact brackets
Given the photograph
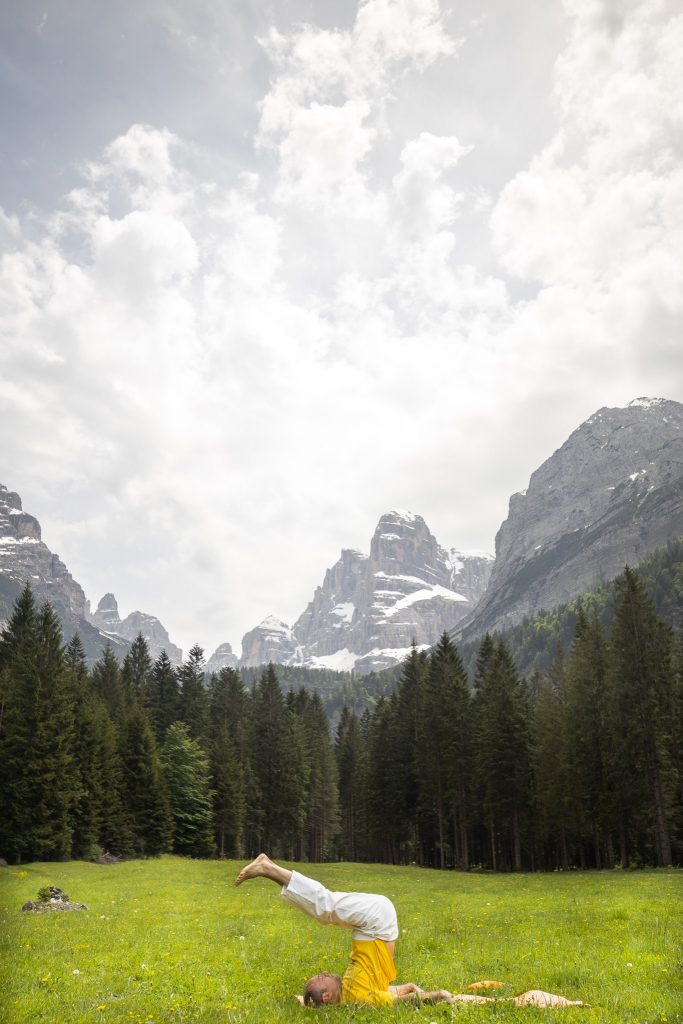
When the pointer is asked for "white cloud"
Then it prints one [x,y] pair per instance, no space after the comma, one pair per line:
[227,378]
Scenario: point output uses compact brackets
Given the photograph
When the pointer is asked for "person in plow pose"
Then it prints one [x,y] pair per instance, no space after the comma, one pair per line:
[371,971]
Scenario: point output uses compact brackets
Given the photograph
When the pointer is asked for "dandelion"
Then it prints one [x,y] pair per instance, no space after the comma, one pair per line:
[102,1006]
[665,970]
[75,971]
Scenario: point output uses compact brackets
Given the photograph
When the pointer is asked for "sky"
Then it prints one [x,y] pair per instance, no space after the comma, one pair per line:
[273,269]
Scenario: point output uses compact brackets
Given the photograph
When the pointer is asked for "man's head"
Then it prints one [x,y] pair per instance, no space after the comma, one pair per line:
[323,989]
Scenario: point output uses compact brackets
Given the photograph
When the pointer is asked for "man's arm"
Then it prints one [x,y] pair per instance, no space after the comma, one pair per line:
[412,993]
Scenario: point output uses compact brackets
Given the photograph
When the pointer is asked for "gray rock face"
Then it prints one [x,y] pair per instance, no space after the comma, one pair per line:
[272,640]
[371,608]
[107,614]
[107,618]
[24,557]
[611,494]
[222,657]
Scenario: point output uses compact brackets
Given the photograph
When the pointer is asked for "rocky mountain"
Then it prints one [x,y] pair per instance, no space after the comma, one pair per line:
[107,618]
[222,657]
[608,497]
[271,640]
[371,608]
[24,557]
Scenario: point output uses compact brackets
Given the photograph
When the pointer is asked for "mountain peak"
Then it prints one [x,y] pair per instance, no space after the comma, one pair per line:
[646,403]
[608,496]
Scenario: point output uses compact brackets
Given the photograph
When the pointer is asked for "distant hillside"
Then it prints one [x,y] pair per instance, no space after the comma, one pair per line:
[534,643]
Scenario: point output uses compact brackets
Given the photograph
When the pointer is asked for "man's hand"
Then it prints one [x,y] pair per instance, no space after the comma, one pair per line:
[407,991]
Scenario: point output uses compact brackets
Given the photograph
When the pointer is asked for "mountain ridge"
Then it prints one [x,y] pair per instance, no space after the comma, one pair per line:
[609,495]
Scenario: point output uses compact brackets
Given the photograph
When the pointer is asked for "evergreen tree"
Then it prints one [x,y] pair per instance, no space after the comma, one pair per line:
[194,704]
[445,751]
[20,680]
[279,767]
[37,774]
[187,776]
[382,798]
[144,791]
[322,805]
[552,764]
[229,758]
[53,773]
[643,685]
[502,753]
[406,773]
[116,825]
[589,733]
[350,771]
[108,685]
[74,660]
[136,671]
[163,696]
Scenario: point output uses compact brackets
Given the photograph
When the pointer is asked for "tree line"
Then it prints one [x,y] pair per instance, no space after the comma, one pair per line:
[579,766]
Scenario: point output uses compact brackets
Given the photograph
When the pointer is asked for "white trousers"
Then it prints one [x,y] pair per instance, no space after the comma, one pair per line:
[370,916]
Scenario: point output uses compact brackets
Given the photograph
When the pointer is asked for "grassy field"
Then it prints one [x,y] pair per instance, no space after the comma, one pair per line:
[172,940]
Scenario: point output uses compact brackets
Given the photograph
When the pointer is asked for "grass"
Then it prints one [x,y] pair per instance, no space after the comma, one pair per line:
[172,940]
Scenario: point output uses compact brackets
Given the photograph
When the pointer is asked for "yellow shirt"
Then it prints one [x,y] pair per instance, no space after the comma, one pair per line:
[369,974]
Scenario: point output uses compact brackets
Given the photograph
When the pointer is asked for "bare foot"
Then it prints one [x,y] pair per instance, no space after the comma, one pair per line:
[254,870]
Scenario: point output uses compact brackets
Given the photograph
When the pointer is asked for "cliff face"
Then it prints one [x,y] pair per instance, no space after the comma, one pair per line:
[222,657]
[611,494]
[107,618]
[24,557]
[271,640]
[371,608]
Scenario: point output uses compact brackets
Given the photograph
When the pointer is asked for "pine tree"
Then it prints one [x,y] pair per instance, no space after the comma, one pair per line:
[229,759]
[406,775]
[53,773]
[552,765]
[163,696]
[194,704]
[108,685]
[144,792]
[590,739]
[322,805]
[502,753]
[349,754]
[74,660]
[643,685]
[445,751]
[382,799]
[187,777]
[279,767]
[136,671]
[20,680]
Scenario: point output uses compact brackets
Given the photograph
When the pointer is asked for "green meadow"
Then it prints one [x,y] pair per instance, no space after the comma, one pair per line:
[172,940]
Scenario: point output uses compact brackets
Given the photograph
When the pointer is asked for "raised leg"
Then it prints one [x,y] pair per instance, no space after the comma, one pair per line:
[263,867]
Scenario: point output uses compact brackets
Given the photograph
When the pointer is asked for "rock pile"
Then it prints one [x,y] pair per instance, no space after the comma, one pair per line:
[51,898]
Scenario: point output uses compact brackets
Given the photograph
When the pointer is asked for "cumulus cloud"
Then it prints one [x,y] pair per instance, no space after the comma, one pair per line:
[218,383]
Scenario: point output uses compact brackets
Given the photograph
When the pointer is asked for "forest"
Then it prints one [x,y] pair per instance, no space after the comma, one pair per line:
[576,766]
